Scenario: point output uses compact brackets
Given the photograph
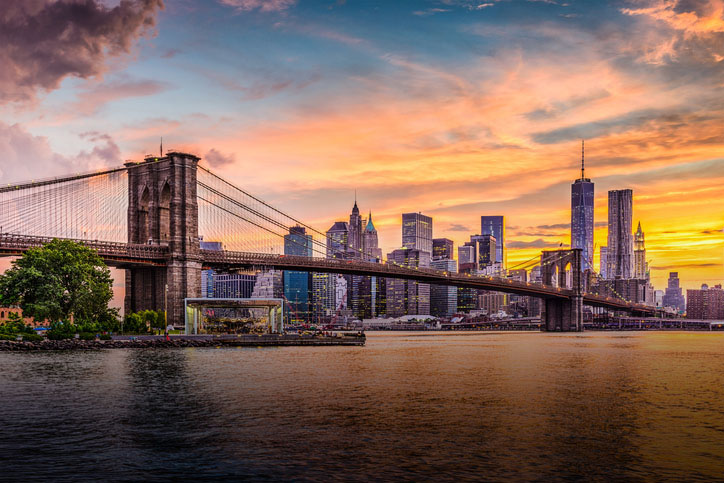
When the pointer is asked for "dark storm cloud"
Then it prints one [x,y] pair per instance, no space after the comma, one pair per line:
[44,41]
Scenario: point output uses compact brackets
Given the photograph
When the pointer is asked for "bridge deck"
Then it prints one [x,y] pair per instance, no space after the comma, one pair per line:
[125,255]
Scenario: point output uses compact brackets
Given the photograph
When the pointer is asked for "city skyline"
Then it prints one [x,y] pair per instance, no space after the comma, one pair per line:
[332,99]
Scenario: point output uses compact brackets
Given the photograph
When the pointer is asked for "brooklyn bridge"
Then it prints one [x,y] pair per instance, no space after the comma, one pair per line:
[146,218]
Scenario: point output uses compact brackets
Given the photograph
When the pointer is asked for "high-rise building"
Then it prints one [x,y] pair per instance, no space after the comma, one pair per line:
[207,276]
[673,297]
[298,285]
[417,232]
[467,263]
[518,304]
[233,285]
[706,304]
[338,240]
[582,216]
[659,298]
[487,253]
[442,249]
[322,296]
[370,242]
[495,225]
[641,267]
[269,285]
[366,297]
[603,255]
[619,260]
[443,298]
[355,232]
[468,255]
[408,297]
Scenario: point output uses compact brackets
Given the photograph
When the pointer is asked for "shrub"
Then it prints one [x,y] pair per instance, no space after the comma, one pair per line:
[105,337]
[32,337]
[7,337]
[87,336]
[61,331]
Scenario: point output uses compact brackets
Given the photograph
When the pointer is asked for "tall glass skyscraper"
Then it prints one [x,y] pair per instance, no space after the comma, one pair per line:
[298,285]
[495,225]
[417,232]
[582,217]
[619,260]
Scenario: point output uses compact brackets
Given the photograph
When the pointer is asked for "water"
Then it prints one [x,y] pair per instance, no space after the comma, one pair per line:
[493,406]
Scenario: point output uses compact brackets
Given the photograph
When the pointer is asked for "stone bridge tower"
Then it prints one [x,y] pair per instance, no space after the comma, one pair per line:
[163,210]
[562,268]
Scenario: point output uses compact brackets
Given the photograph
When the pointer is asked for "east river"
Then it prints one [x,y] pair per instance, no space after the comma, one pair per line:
[411,406]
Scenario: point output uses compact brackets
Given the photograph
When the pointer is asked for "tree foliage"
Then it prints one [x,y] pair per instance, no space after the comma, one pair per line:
[59,280]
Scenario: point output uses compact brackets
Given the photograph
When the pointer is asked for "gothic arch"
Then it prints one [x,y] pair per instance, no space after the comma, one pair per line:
[144,228]
[164,213]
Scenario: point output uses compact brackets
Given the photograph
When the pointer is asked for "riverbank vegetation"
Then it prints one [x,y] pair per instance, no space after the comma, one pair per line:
[68,286]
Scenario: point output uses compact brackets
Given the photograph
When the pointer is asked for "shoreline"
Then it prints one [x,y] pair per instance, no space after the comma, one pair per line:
[158,342]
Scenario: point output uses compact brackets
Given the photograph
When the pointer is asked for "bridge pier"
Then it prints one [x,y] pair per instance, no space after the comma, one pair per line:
[563,315]
[163,210]
[562,268]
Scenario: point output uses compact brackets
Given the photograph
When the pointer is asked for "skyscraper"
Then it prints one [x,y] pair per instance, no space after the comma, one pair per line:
[495,225]
[417,232]
[407,297]
[603,255]
[355,232]
[673,297]
[338,240]
[641,267]
[370,243]
[442,249]
[366,290]
[298,285]
[443,299]
[619,260]
[207,276]
[582,216]
[487,253]
[468,257]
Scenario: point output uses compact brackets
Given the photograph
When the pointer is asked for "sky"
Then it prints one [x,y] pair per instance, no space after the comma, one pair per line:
[453,108]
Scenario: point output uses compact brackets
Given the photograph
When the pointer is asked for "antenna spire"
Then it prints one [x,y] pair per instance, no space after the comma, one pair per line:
[161,147]
[582,176]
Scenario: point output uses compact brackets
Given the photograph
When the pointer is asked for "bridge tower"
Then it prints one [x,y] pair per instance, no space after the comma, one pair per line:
[163,210]
[562,268]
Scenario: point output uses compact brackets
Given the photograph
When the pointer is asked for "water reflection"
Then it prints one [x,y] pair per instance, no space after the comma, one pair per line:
[406,406]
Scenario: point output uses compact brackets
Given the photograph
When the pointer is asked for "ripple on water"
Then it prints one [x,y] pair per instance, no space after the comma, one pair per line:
[628,406]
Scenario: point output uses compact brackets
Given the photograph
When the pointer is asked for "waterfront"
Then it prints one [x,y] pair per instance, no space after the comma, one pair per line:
[524,406]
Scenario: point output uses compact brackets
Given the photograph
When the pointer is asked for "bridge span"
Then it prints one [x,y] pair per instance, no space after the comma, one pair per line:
[150,214]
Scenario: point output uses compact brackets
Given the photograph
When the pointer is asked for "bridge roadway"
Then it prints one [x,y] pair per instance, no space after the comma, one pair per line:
[229,260]
[126,255]
[120,255]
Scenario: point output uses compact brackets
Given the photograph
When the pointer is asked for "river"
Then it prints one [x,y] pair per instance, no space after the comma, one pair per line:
[637,406]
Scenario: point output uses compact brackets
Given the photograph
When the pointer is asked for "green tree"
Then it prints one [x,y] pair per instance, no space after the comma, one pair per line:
[60,280]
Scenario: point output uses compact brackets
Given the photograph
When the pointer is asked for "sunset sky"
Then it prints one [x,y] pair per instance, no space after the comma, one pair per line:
[449,107]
